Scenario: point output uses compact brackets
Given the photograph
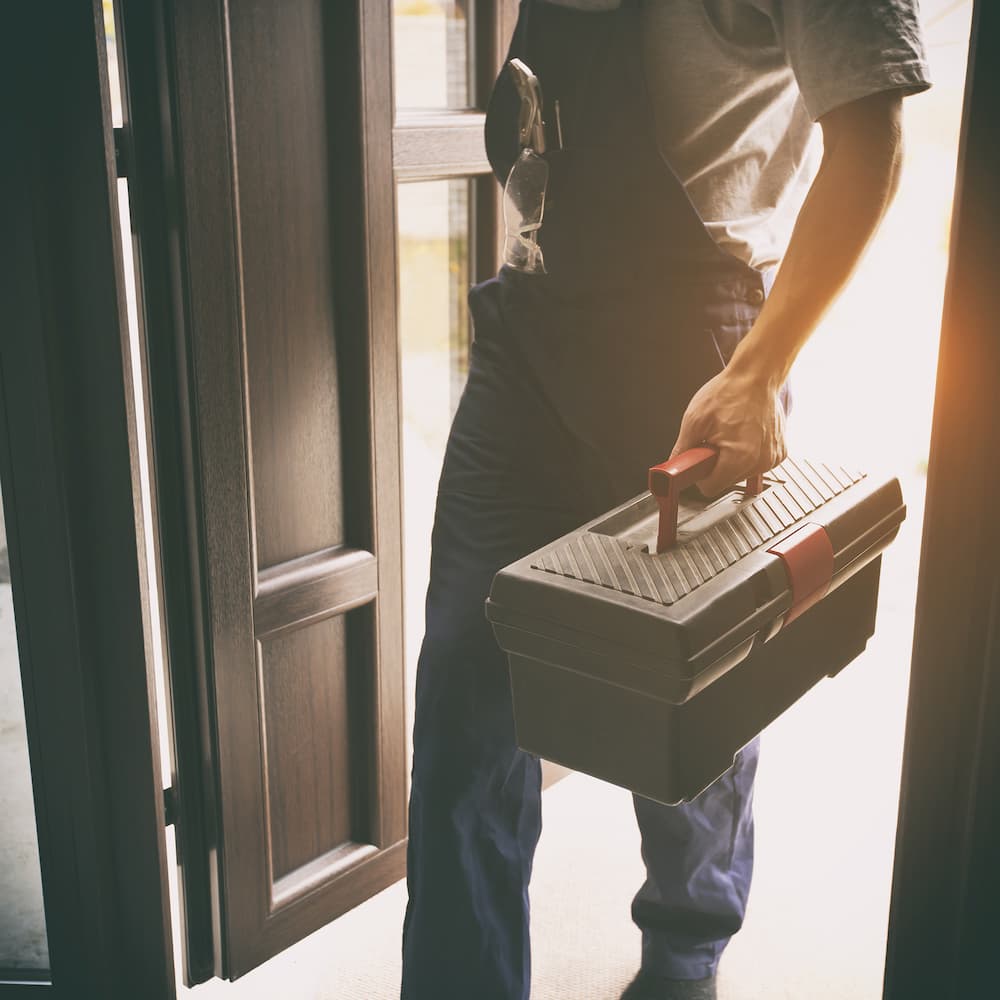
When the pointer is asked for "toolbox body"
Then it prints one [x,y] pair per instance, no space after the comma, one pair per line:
[652,670]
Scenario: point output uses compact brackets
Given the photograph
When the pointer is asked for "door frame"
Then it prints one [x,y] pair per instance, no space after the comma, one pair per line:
[946,876]
[68,493]
[69,468]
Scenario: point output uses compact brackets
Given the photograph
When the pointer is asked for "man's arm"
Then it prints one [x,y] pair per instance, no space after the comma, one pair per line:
[738,410]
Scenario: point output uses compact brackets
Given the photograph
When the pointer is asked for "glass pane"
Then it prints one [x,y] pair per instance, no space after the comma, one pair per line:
[23,941]
[431,43]
[114,82]
[434,240]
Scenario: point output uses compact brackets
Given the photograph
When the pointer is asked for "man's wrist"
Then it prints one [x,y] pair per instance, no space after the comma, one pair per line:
[758,364]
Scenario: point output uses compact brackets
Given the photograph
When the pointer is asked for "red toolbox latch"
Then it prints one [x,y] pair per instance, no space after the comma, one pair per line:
[807,555]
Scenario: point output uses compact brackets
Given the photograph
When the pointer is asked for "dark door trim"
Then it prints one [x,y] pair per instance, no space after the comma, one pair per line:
[13,988]
[22,984]
[66,458]
[146,59]
[947,869]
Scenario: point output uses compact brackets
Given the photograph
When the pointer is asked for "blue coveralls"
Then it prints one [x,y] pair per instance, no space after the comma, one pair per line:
[578,380]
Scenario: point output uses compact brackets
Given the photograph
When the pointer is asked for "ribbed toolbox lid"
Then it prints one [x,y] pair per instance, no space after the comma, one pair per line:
[679,611]
[609,560]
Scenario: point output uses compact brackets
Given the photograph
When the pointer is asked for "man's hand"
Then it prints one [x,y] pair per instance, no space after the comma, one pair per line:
[743,417]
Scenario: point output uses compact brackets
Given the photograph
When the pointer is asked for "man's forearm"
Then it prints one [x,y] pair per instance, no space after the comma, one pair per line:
[738,410]
[846,202]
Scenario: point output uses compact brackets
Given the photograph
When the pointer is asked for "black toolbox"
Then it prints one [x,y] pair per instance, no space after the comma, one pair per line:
[650,662]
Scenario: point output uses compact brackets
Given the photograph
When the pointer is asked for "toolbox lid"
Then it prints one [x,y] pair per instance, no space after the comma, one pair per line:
[736,572]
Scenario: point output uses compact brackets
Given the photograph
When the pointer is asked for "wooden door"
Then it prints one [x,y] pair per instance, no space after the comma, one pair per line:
[262,153]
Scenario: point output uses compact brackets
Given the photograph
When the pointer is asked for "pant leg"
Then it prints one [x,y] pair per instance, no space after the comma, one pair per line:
[699,859]
[475,806]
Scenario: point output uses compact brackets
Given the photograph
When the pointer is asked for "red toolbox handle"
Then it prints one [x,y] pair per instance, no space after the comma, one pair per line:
[668,479]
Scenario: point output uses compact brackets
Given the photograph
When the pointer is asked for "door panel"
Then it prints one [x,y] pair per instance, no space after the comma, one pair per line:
[304,716]
[297,771]
[281,119]
[291,468]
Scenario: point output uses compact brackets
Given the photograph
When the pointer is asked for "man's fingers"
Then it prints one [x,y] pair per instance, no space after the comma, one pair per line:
[717,483]
[730,469]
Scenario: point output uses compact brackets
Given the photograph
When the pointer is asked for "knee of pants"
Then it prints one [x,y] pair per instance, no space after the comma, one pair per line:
[463,718]
[465,802]
[462,674]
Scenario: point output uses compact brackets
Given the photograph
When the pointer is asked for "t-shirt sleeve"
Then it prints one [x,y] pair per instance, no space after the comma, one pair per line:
[843,50]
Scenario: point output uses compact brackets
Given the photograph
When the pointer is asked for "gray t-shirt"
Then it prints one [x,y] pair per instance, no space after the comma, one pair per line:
[736,86]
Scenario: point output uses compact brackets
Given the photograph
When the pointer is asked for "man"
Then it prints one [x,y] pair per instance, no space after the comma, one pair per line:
[687,174]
